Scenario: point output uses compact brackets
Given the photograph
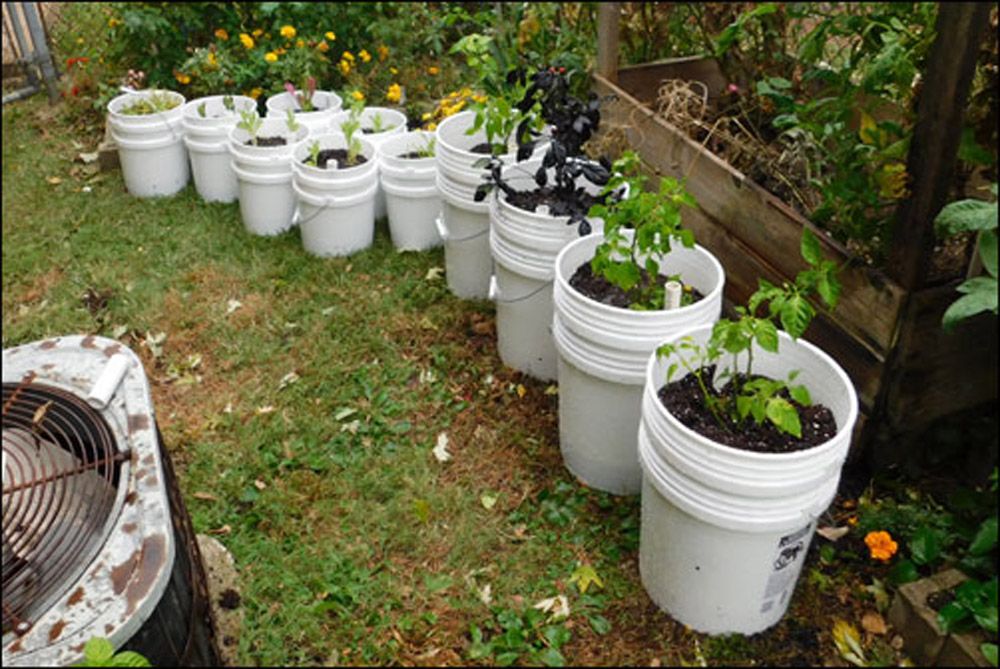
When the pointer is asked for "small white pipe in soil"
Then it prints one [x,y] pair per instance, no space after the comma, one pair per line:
[672,295]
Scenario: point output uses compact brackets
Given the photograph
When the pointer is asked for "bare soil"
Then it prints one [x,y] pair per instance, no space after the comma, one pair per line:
[601,290]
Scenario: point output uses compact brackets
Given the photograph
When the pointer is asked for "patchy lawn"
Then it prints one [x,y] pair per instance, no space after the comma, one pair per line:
[301,398]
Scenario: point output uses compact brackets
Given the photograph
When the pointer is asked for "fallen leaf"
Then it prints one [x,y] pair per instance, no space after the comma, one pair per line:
[434,273]
[488,501]
[848,642]
[206,496]
[441,449]
[422,509]
[486,594]
[832,533]
[229,408]
[40,413]
[878,592]
[287,380]
[521,391]
[260,485]
[118,330]
[873,623]
[225,529]
[328,311]
[344,413]
[557,607]
[87,158]
[584,576]
[552,390]
[351,427]
[262,411]
[232,305]
[55,181]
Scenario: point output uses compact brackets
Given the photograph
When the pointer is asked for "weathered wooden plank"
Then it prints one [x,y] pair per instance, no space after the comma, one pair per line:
[643,81]
[937,373]
[951,64]
[608,19]
[870,304]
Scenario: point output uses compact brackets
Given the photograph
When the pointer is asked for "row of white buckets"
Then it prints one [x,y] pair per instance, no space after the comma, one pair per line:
[150,146]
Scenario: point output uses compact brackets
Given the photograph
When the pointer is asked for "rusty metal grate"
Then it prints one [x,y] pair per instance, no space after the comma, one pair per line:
[60,483]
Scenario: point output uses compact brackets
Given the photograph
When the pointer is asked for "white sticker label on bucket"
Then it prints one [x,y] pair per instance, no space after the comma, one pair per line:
[788,558]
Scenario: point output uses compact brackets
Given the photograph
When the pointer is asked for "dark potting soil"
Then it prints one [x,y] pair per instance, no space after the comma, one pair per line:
[412,155]
[530,200]
[268,141]
[598,288]
[339,156]
[684,400]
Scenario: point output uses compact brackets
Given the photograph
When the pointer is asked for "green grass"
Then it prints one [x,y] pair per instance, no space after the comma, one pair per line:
[354,544]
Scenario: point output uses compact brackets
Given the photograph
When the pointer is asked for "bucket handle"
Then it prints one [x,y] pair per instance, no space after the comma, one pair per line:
[446,236]
[496,296]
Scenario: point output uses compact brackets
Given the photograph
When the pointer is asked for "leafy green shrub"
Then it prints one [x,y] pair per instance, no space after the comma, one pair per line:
[98,652]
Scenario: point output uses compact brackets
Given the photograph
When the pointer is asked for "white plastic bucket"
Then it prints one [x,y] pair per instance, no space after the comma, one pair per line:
[264,174]
[524,246]
[464,224]
[327,104]
[336,206]
[150,146]
[392,119]
[206,138]
[603,351]
[410,186]
[724,532]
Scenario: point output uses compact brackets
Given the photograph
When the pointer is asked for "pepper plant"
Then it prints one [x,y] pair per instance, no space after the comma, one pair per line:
[350,127]
[758,398]
[250,121]
[631,260]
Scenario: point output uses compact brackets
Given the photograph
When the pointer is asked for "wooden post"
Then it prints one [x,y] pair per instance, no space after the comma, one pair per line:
[608,14]
[934,146]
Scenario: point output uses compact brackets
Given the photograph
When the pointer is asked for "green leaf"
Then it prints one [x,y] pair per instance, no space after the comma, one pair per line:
[550,657]
[784,416]
[437,583]
[952,616]
[966,216]
[508,658]
[988,251]
[810,247]
[981,296]
[556,635]
[98,650]
[985,539]
[744,405]
[800,394]
[129,658]
[766,335]
[904,572]
[584,576]
[925,546]
[989,651]
[599,623]
[796,314]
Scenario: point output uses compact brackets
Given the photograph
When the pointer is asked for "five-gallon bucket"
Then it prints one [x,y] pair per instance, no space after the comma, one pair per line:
[524,246]
[207,122]
[264,174]
[603,352]
[724,531]
[410,186]
[377,125]
[150,146]
[336,205]
[326,103]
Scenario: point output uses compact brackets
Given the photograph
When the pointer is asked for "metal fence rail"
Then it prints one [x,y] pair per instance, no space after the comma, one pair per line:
[25,40]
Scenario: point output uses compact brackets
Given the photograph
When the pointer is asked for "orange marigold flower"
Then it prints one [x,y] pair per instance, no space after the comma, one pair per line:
[323,47]
[880,545]
[433,70]
[255,93]
[222,34]
[383,51]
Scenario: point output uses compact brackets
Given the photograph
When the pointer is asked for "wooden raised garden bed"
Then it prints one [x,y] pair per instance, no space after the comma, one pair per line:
[907,371]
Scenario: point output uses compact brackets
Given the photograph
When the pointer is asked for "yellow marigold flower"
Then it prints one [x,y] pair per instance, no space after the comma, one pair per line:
[330,35]
[299,43]
[182,78]
[112,22]
[323,47]
[345,67]
[880,545]
[393,70]
[852,521]
[347,55]
[358,95]
[212,62]
[257,32]
[246,40]
[431,126]
[466,92]
[433,70]
[222,34]
[271,57]
[254,93]
[288,32]
[395,93]
[480,99]
[426,116]
[383,51]
[365,56]
[457,107]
